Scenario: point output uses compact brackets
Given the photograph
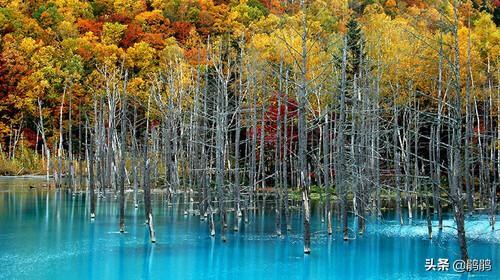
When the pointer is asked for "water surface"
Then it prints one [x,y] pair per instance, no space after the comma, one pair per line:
[48,234]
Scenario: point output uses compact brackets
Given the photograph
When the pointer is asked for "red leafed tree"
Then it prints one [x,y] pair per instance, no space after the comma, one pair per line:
[132,35]
[12,70]
[88,25]
[155,40]
[273,111]
[116,17]
[182,30]
[29,137]
[196,56]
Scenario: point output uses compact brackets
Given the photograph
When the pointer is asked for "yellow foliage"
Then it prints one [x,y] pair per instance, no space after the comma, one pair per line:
[112,33]
[108,55]
[132,7]
[140,55]
[390,3]
[29,45]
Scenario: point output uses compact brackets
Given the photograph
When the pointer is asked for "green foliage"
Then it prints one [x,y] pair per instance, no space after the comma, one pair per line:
[171,10]
[258,5]
[316,193]
[112,32]
[354,45]
[6,18]
[26,161]
[98,8]
[246,13]
[47,15]
[193,14]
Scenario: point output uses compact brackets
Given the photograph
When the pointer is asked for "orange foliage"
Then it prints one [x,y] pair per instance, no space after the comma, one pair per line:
[196,56]
[155,40]
[181,30]
[88,25]
[116,17]
[132,35]
[85,52]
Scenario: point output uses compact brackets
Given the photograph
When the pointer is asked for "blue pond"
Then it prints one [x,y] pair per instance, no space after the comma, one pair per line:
[48,234]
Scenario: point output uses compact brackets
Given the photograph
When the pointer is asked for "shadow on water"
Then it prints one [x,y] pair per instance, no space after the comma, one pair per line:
[48,234]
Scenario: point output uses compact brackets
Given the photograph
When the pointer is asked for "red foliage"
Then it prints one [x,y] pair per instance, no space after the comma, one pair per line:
[85,52]
[132,35]
[267,3]
[7,28]
[116,17]
[5,87]
[181,30]
[88,25]
[12,70]
[155,124]
[273,6]
[155,40]
[415,3]
[206,20]
[29,138]
[163,28]
[10,75]
[271,121]
[196,56]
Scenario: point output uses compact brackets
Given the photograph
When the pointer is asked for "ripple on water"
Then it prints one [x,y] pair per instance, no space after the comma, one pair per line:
[477,229]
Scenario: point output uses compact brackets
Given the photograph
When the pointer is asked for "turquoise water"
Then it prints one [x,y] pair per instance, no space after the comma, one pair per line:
[46,234]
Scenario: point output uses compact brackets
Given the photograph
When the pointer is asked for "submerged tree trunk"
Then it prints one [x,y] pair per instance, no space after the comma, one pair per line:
[71,168]
[91,172]
[134,158]
[285,157]
[456,145]
[146,182]
[302,136]
[340,166]
[326,172]
[60,149]
[397,165]
[123,128]
[277,167]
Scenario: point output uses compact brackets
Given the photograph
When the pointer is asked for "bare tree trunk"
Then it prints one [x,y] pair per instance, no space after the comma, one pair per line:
[469,184]
[277,165]
[340,166]
[253,164]
[123,148]
[397,164]
[134,157]
[237,191]
[302,135]
[456,145]
[437,190]
[60,149]
[219,158]
[90,158]
[71,168]
[146,174]
[44,139]
[285,157]
[326,171]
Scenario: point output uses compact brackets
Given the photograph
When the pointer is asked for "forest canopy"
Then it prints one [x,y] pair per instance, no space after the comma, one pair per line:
[51,46]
